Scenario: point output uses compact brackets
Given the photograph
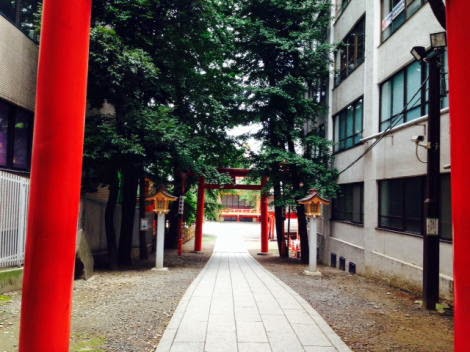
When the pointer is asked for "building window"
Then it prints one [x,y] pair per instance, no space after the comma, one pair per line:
[446,209]
[350,53]
[401,205]
[23,14]
[403,97]
[396,12]
[15,137]
[349,204]
[348,126]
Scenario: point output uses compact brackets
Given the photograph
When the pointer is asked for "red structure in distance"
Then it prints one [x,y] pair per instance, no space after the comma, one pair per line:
[234,173]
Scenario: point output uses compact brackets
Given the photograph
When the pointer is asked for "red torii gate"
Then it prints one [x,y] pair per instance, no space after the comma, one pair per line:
[233,174]
[57,161]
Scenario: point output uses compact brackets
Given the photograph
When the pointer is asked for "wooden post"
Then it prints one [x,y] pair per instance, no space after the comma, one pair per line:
[200,214]
[264,220]
[55,176]
[459,75]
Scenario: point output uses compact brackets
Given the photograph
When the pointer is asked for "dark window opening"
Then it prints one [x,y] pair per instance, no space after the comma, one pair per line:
[350,53]
[401,205]
[348,126]
[349,204]
[16,126]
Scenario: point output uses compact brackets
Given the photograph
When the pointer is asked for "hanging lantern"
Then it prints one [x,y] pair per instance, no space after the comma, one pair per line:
[313,203]
[162,200]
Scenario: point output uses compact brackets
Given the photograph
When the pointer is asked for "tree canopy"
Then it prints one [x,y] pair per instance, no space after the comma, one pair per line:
[168,78]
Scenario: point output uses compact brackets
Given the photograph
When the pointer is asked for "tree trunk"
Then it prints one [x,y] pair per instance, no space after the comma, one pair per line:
[171,240]
[302,228]
[143,253]
[301,218]
[129,193]
[109,220]
[279,216]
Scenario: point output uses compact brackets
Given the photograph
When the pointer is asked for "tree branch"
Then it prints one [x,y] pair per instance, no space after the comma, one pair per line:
[439,10]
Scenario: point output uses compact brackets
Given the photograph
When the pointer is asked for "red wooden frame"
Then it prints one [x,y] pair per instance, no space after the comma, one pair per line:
[201,200]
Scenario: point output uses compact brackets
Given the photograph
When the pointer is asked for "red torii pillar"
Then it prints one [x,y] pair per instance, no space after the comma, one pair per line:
[458,27]
[264,219]
[55,176]
[201,195]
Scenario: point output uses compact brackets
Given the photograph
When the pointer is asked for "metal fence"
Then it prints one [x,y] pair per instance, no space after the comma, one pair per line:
[14,196]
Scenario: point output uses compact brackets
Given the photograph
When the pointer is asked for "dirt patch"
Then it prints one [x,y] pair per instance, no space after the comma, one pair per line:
[368,314]
[122,311]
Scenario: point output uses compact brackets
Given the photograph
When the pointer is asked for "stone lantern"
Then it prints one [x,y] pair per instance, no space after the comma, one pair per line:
[313,204]
[162,202]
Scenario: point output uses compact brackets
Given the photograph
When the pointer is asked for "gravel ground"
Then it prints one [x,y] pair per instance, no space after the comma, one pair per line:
[369,315]
[125,311]
[128,311]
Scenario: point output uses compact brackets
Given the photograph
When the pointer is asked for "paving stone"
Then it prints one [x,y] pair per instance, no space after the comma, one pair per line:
[253,347]
[251,332]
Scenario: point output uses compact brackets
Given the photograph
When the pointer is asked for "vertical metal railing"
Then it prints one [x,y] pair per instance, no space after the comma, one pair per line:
[14,196]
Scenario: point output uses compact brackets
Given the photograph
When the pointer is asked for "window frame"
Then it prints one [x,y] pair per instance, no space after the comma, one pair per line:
[341,74]
[399,20]
[336,123]
[345,219]
[422,179]
[385,123]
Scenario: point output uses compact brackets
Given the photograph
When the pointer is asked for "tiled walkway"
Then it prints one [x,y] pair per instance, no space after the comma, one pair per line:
[236,305]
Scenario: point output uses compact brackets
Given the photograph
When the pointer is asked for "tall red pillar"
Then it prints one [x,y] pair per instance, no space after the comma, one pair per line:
[264,220]
[55,176]
[458,28]
[201,192]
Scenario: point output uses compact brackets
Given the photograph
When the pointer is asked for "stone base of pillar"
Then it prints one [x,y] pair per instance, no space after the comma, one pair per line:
[264,253]
[160,269]
[312,273]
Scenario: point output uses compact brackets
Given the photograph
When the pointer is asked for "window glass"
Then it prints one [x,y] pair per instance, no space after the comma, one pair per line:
[413,94]
[351,51]
[396,99]
[390,208]
[396,12]
[358,122]
[445,81]
[348,124]
[22,139]
[4,114]
[348,205]
[446,208]
[413,204]
[386,103]
[15,136]
[398,85]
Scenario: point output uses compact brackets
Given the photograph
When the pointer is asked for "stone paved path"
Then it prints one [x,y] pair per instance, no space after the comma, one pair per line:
[236,305]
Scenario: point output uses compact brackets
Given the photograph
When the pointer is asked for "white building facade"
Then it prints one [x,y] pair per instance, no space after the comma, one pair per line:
[375,223]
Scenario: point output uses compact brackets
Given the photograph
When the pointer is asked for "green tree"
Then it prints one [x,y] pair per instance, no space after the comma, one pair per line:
[283,53]
[172,89]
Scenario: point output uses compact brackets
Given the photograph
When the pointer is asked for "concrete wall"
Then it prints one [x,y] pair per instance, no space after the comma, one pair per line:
[390,255]
[18,62]
[92,221]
